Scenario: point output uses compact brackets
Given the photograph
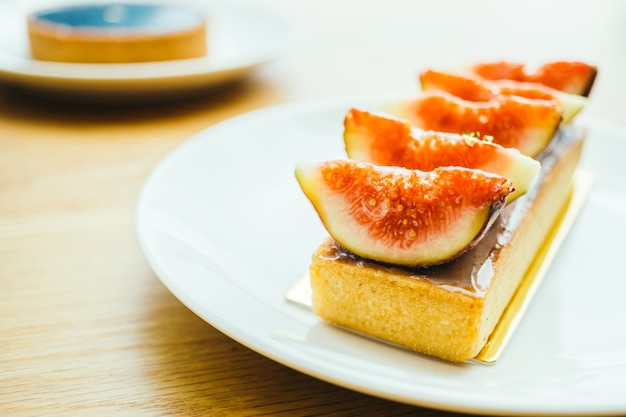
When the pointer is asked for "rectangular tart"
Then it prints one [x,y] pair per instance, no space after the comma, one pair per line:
[450,310]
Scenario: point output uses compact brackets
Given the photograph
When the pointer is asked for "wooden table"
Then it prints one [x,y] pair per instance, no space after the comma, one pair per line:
[86,328]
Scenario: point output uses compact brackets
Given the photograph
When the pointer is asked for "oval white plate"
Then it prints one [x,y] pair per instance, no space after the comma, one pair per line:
[241,36]
[225,226]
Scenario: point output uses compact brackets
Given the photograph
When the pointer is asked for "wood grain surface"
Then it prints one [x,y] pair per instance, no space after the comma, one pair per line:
[86,328]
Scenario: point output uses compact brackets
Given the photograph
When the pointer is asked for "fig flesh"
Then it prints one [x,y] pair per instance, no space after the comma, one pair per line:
[571,77]
[384,140]
[404,217]
[476,89]
[512,121]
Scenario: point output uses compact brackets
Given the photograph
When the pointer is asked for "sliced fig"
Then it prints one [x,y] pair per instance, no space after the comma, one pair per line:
[400,216]
[385,140]
[572,77]
[512,121]
[473,88]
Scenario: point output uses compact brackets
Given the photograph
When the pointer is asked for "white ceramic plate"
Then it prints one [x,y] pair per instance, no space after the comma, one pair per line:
[225,226]
[241,36]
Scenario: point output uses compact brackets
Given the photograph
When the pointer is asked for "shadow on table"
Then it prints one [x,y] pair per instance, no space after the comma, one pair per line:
[19,103]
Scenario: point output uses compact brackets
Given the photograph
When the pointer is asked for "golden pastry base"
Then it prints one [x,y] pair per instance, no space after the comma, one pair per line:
[300,292]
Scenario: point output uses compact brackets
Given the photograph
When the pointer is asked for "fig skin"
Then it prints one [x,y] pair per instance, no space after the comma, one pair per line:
[473,88]
[513,122]
[400,216]
[385,140]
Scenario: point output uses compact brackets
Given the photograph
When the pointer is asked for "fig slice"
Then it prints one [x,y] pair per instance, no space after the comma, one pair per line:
[513,122]
[400,216]
[385,140]
[476,89]
[572,77]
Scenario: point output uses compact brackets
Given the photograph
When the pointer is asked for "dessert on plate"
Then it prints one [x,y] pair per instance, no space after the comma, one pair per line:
[431,230]
[116,33]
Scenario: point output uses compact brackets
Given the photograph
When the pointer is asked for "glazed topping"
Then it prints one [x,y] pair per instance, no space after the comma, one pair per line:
[395,142]
[418,192]
[403,216]
[383,140]
[513,122]
[473,88]
[568,76]
[139,17]
[476,89]
[472,272]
